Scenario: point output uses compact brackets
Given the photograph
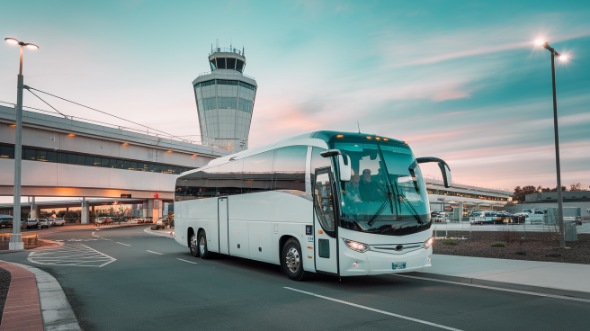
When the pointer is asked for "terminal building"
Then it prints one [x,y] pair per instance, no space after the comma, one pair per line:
[225,100]
[63,157]
[460,199]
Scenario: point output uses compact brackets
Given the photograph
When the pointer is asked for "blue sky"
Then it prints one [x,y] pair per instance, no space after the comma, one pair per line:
[457,79]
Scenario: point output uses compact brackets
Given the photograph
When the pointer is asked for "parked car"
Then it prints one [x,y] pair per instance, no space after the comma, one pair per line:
[31,223]
[58,221]
[162,223]
[486,217]
[440,217]
[5,221]
[103,220]
[43,223]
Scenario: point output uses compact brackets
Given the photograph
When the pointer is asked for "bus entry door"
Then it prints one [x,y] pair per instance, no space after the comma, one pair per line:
[222,225]
[326,244]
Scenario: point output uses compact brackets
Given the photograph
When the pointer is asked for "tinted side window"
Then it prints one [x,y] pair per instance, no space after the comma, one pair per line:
[257,173]
[289,168]
[229,178]
[317,161]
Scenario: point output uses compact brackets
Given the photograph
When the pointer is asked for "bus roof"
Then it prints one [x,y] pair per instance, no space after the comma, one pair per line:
[323,138]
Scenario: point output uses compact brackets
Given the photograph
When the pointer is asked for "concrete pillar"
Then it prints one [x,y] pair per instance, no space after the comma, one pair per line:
[147,209]
[460,211]
[35,212]
[156,209]
[84,212]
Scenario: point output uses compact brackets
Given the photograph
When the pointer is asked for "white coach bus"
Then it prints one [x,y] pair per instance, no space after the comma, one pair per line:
[339,203]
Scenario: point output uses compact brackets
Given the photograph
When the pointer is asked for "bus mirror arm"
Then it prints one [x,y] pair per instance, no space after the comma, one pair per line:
[343,163]
[444,168]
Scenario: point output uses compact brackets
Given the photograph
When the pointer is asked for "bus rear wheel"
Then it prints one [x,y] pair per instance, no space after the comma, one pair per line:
[202,242]
[193,245]
[291,260]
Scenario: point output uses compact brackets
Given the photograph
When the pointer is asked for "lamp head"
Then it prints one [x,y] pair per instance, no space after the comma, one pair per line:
[14,41]
[540,42]
[11,41]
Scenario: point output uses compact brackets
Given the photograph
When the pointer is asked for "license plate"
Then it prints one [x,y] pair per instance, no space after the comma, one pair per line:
[398,265]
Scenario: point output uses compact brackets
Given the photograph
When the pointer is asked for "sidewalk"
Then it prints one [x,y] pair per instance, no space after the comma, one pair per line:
[566,279]
[35,301]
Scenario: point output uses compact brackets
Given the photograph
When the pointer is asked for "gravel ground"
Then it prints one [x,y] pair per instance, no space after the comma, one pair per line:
[531,246]
[4,284]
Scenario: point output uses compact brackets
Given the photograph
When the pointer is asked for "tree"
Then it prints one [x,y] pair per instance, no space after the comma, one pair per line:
[520,193]
[576,187]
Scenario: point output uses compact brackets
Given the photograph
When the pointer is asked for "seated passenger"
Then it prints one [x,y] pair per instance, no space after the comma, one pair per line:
[353,189]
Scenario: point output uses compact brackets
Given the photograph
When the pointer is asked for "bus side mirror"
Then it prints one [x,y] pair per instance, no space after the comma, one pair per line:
[345,168]
[446,173]
[444,168]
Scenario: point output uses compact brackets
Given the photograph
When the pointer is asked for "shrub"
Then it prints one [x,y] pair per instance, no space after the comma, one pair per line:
[451,242]
[499,244]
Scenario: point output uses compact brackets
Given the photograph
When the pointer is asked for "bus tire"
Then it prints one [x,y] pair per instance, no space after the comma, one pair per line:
[202,242]
[193,244]
[292,260]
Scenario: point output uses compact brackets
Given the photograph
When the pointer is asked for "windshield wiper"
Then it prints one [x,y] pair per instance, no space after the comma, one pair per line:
[414,212]
[388,198]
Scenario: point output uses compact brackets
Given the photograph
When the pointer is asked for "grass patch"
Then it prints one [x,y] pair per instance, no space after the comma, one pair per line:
[451,242]
[499,244]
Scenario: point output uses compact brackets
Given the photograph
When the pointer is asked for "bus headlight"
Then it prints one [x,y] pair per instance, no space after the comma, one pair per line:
[428,243]
[356,246]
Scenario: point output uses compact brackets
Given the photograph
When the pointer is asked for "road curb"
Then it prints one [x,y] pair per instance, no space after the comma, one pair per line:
[55,307]
[510,286]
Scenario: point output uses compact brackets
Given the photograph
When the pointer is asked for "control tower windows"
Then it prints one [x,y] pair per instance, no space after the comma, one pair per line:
[231,63]
[213,65]
[221,63]
[240,66]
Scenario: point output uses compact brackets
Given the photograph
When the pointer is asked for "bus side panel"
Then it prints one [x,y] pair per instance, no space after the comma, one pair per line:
[238,237]
[264,218]
[260,241]
[197,214]
[180,222]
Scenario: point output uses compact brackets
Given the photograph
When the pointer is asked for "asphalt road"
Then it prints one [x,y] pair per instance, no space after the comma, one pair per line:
[127,279]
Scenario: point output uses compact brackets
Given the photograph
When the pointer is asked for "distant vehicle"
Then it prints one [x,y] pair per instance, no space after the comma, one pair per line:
[440,217]
[31,223]
[103,220]
[485,217]
[58,221]
[43,223]
[162,223]
[534,216]
[5,221]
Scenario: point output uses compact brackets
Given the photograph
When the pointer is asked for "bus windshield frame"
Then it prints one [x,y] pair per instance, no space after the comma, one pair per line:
[386,194]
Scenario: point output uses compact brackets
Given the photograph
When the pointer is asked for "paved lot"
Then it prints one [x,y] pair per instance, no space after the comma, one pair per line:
[154,284]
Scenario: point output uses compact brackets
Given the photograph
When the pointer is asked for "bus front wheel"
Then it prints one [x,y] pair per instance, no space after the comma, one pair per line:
[202,242]
[291,260]
[193,244]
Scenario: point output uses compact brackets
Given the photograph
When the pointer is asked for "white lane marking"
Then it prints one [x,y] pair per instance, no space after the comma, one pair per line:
[154,252]
[123,244]
[187,261]
[78,255]
[375,310]
[538,294]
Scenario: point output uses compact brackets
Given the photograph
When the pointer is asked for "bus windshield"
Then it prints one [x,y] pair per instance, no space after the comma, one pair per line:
[386,194]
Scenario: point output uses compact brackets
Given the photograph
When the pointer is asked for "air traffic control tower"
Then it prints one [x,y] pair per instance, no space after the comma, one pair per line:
[225,100]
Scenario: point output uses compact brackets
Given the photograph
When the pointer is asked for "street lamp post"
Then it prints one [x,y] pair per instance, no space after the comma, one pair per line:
[16,242]
[563,57]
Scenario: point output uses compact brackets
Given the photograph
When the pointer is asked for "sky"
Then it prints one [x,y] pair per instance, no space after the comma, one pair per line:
[460,80]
